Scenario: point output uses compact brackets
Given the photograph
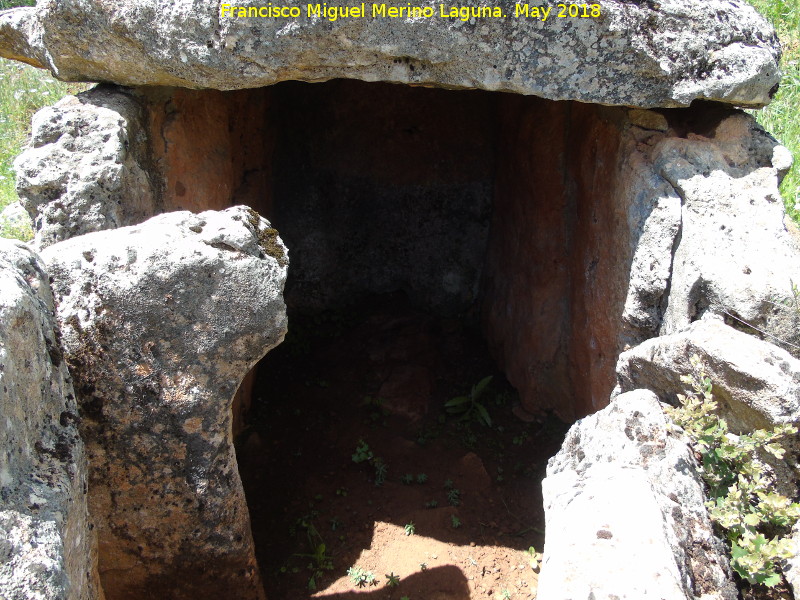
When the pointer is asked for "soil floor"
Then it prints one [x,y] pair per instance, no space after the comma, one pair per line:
[441,504]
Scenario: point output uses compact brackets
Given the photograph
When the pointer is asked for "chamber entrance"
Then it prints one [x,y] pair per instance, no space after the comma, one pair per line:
[436,238]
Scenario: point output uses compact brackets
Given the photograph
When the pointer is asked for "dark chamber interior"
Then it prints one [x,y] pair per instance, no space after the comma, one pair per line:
[435,238]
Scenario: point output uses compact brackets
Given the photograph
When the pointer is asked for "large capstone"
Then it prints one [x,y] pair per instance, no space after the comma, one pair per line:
[613,52]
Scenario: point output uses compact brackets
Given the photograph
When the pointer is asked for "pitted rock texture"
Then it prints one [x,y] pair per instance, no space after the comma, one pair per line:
[85,166]
[160,323]
[757,383]
[707,230]
[46,548]
[638,54]
[625,513]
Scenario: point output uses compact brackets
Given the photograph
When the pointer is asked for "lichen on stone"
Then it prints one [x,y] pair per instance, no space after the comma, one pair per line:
[268,239]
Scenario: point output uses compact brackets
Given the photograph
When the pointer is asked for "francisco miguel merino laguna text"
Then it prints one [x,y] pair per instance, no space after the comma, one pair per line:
[333,13]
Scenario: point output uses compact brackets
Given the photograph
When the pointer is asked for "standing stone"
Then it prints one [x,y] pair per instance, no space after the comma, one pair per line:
[47,551]
[161,322]
[84,168]
[625,513]
[755,382]
[707,231]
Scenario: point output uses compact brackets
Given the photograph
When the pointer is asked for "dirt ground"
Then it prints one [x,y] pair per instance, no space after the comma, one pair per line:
[442,504]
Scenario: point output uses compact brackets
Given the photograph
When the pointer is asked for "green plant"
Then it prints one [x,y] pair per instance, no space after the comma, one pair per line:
[392,579]
[361,578]
[381,470]
[410,528]
[455,521]
[520,439]
[505,594]
[780,118]
[741,496]
[4,4]
[469,407]
[431,504]
[320,560]
[454,497]
[362,453]
[407,479]
[422,478]
[423,566]
[448,484]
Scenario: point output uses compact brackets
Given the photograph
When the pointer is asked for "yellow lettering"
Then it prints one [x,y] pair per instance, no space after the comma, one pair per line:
[314,10]
[378,10]
[521,9]
[225,8]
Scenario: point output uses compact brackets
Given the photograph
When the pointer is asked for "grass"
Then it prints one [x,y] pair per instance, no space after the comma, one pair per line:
[23,91]
[782,117]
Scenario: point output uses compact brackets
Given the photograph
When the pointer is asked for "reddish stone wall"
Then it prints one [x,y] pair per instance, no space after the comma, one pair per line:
[212,149]
[550,296]
[555,269]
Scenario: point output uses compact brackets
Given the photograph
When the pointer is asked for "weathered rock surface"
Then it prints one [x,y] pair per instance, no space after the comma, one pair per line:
[755,381]
[625,514]
[631,54]
[84,168]
[160,323]
[46,548]
[708,234]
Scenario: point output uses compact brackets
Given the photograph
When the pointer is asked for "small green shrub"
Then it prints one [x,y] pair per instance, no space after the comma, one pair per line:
[756,519]
[469,407]
[361,578]
[410,528]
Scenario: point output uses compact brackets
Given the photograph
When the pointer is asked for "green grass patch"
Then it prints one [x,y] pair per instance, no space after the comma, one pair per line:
[4,4]
[782,117]
[23,91]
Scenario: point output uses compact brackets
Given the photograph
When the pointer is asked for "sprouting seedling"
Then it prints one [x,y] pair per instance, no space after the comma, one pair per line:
[422,478]
[431,504]
[455,521]
[360,577]
[407,479]
[362,453]
[454,497]
[469,406]
[381,470]
[410,528]
[392,579]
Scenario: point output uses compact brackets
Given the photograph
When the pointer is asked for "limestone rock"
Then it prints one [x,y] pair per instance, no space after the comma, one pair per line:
[734,256]
[755,382]
[83,168]
[635,54]
[46,548]
[709,235]
[161,322]
[625,514]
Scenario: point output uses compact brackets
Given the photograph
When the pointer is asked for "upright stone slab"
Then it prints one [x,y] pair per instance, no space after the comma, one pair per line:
[84,167]
[47,550]
[625,513]
[161,322]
